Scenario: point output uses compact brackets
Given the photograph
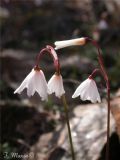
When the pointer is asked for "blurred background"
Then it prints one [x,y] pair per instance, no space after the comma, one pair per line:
[34,129]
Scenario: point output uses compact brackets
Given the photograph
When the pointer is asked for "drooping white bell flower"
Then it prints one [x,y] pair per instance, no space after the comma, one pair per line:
[55,85]
[66,43]
[34,82]
[87,90]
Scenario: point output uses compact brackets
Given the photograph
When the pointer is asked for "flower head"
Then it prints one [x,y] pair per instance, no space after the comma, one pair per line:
[87,90]
[66,43]
[55,85]
[34,82]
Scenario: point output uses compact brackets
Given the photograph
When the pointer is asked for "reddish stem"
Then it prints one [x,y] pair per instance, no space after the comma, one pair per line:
[52,52]
[94,73]
[108,123]
[105,75]
[100,59]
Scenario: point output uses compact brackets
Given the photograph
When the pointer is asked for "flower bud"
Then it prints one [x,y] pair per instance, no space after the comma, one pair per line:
[72,42]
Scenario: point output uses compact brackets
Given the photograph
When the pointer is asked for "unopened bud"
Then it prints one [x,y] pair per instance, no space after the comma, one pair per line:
[72,42]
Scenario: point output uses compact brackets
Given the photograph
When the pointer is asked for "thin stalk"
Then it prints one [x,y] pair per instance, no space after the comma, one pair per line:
[108,125]
[68,125]
[105,75]
[51,51]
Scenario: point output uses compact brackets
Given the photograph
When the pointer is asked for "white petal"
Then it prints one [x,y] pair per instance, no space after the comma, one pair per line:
[31,86]
[55,85]
[60,90]
[34,82]
[24,83]
[80,88]
[66,43]
[51,84]
[87,90]
[76,93]
[41,85]
[94,94]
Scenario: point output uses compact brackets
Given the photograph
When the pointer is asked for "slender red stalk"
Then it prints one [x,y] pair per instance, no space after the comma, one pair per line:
[94,73]
[52,52]
[108,123]
[105,75]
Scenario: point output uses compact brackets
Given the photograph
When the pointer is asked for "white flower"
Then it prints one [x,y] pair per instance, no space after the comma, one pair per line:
[87,90]
[66,43]
[55,85]
[34,82]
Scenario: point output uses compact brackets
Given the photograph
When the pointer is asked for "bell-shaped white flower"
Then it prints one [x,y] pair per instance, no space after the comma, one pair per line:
[87,90]
[66,43]
[55,85]
[34,82]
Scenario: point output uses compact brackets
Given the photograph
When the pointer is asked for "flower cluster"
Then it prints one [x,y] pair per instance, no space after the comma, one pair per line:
[36,81]
[87,90]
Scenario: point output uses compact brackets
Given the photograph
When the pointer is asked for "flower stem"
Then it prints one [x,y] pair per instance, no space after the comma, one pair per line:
[51,51]
[108,123]
[68,125]
[105,75]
